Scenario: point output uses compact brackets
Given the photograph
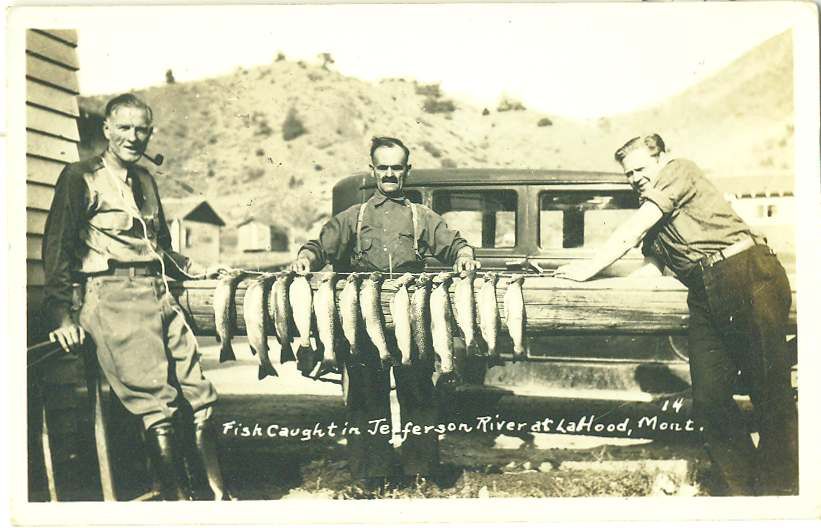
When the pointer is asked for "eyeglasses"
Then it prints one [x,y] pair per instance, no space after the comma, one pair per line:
[394,168]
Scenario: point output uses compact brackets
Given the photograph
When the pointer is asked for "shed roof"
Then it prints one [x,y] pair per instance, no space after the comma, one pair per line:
[195,209]
[759,185]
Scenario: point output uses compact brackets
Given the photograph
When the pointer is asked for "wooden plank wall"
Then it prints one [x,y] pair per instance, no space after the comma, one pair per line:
[52,142]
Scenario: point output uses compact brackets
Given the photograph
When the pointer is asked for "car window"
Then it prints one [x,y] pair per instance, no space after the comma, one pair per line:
[413,196]
[486,219]
[581,219]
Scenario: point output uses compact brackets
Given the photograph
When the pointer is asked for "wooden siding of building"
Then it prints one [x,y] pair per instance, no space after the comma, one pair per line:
[56,391]
[52,142]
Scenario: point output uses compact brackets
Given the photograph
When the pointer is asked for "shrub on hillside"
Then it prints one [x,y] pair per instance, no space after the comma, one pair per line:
[544,122]
[448,163]
[429,90]
[485,112]
[431,149]
[280,57]
[508,105]
[263,128]
[253,173]
[438,106]
[326,60]
[292,128]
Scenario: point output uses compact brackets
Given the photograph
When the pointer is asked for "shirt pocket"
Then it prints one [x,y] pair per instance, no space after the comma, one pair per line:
[403,248]
[112,221]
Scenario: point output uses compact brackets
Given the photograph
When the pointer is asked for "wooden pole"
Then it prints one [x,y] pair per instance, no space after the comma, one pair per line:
[611,306]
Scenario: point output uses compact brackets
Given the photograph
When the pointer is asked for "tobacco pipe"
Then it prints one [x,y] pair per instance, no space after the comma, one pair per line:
[156,160]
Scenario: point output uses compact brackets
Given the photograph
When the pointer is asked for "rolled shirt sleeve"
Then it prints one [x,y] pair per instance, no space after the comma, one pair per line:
[61,242]
[672,189]
[334,242]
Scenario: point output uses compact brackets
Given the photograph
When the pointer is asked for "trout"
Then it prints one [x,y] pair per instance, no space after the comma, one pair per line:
[401,314]
[420,318]
[283,321]
[300,295]
[489,313]
[464,300]
[327,323]
[370,295]
[515,317]
[349,312]
[441,318]
[255,311]
[225,313]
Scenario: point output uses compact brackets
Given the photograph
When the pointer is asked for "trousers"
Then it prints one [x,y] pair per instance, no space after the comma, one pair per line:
[144,347]
[366,390]
[739,311]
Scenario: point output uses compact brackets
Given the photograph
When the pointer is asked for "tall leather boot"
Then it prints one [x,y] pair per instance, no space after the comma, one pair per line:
[167,463]
[204,467]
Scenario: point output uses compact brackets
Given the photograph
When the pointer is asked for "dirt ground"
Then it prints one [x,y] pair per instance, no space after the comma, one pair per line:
[498,463]
[474,464]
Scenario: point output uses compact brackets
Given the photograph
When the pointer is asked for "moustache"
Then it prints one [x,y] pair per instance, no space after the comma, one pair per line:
[390,179]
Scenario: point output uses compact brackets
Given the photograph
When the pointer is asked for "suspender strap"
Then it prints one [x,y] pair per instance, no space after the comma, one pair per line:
[358,251]
[415,228]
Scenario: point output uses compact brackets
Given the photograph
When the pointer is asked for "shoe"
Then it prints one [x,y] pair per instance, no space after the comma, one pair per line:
[203,465]
[168,465]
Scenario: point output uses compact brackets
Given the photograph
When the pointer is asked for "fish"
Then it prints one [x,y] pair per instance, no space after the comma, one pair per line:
[370,304]
[515,316]
[301,297]
[225,313]
[420,318]
[327,323]
[255,311]
[283,321]
[464,300]
[349,312]
[489,313]
[401,314]
[441,319]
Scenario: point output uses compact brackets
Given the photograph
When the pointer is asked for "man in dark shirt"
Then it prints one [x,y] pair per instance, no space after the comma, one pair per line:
[385,241]
[739,299]
[106,230]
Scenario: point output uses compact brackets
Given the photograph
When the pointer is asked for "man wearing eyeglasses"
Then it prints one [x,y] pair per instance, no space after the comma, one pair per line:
[385,233]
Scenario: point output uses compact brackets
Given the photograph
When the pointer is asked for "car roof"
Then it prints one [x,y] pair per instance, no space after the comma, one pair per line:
[450,177]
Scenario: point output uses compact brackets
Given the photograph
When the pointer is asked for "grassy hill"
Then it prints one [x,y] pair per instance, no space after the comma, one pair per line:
[271,141]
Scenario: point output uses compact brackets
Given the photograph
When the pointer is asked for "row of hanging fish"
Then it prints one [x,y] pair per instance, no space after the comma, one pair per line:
[283,305]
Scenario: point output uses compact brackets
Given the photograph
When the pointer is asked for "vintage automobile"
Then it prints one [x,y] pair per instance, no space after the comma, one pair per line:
[540,219]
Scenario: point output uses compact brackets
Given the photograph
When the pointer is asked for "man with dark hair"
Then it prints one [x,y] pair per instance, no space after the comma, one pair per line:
[387,232]
[106,230]
[739,300]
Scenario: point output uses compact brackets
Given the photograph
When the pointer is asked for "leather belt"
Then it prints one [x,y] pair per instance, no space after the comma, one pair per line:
[147,269]
[731,250]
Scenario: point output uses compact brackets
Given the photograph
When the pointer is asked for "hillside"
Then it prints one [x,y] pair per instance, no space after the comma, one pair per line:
[225,138]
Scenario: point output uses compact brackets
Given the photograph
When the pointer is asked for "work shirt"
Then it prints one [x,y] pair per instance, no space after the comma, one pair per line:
[386,237]
[94,220]
[697,220]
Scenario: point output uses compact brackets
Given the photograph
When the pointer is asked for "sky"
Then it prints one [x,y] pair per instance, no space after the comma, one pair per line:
[571,60]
